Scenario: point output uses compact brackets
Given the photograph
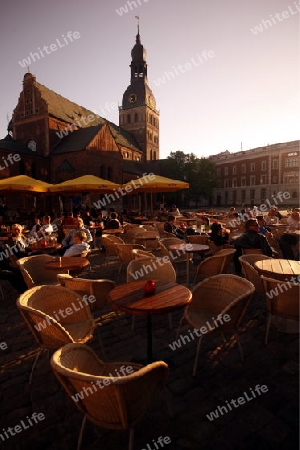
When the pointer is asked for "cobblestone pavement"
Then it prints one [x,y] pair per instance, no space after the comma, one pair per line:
[269,421]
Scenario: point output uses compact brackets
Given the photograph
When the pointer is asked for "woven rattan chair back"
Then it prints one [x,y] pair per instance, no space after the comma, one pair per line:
[175,256]
[249,271]
[34,273]
[150,269]
[141,254]
[282,300]
[210,266]
[249,251]
[217,296]
[110,395]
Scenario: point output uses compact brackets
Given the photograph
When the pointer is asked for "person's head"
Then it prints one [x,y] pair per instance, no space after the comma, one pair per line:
[37,220]
[46,220]
[296,216]
[171,219]
[216,228]
[17,229]
[205,220]
[174,207]
[113,216]
[79,223]
[261,221]
[251,225]
[272,212]
[79,237]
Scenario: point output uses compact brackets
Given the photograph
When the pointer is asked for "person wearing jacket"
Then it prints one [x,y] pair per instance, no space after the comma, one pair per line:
[250,239]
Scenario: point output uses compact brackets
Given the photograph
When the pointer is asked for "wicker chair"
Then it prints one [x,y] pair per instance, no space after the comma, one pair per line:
[251,251]
[151,269]
[215,297]
[141,254]
[174,257]
[249,271]
[125,253]
[122,400]
[282,300]
[39,307]
[201,239]
[129,236]
[34,274]
[217,248]
[211,266]
[229,255]
[111,253]
[99,289]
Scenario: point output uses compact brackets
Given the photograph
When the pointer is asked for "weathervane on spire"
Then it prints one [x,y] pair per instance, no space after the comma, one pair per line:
[138,24]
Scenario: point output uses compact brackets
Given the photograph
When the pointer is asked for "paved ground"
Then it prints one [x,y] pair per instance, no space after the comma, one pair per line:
[266,422]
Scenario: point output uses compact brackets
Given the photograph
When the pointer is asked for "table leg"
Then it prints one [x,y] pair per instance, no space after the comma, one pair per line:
[149,339]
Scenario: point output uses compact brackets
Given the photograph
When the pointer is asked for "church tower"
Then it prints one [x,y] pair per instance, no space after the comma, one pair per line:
[138,114]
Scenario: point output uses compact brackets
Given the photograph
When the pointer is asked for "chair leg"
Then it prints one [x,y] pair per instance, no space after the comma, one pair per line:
[179,328]
[268,329]
[81,433]
[197,355]
[131,439]
[34,364]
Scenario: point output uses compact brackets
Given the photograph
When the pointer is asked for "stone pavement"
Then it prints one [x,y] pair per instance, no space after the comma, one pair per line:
[268,421]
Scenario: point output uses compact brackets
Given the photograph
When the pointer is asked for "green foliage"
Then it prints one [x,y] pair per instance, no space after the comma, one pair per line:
[201,173]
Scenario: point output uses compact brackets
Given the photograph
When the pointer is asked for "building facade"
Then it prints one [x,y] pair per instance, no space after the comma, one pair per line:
[256,176]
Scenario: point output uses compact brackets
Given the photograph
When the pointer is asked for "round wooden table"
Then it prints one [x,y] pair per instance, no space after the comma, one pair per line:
[131,299]
[189,248]
[280,269]
[67,263]
[145,236]
[114,231]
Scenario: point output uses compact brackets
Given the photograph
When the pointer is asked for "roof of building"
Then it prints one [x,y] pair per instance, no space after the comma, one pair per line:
[8,143]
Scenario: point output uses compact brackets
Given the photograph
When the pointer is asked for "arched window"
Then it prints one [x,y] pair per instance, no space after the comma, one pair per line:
[22,168]
[128,118]
[154,156]
[33,170]
[109,173]
[136,117]
[150,155]
[102,171]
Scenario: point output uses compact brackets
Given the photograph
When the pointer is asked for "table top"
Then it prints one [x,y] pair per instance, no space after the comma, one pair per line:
[293,232]
[143,235]
[189,248]
[67,262]
[46,249]
[131,298]
[113,231]
[278,268]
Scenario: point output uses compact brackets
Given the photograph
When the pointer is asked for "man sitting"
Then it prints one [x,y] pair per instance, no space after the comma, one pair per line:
[250,239]
[79,244]
[169,227]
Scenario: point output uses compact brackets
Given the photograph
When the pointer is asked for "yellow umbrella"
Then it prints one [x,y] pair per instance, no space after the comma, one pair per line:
[85,183]
[23,183]
[154,183]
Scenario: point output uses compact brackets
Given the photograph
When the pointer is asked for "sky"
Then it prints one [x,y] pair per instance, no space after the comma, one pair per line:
[225,74]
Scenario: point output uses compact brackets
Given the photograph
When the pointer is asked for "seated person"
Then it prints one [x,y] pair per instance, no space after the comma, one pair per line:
[69,220]
[46,227]
[170,227]
[262,227]
[112,222]
[79,244]
[205,222]
[67,240]
[293,221]
[175,211]
[36,227]
[271,218]
[250,239]
[219,235]
[18,241]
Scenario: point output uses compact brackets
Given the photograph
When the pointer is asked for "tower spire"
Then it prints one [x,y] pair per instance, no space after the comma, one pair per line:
[138,38]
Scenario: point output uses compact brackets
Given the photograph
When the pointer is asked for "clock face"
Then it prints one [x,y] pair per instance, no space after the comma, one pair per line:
[32,145]
[132,98]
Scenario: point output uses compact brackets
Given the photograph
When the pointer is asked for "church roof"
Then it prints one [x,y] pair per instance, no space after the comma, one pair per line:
[8,143]
[66,110]
[76,140]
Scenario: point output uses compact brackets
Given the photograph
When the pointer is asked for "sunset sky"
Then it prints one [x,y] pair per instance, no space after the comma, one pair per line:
[225,74]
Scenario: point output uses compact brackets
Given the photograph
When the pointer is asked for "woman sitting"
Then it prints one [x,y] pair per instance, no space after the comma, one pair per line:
[218,234]
[78,244]
[112,222]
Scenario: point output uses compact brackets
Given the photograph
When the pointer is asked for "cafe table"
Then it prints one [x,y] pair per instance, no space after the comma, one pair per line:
[131,298]
[280,269]
[67,263]
[38,249]
[114,231]
[188,248]
[146,236]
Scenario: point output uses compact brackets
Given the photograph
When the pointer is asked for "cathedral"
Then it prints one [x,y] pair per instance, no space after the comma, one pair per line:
[58,140]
